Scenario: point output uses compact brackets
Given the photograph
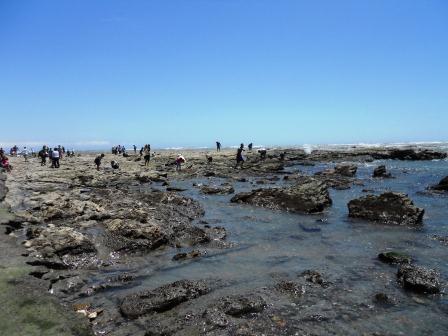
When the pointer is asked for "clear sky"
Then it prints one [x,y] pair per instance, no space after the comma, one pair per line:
[189,72]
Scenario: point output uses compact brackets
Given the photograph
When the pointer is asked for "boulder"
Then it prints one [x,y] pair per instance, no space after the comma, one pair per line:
[442,185]
[162,298]
[307,196]
[380,172]
[419,279]
[388,208]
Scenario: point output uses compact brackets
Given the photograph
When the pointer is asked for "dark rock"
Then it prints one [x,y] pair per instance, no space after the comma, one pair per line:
[190,255]
[308,196]
[348,170]
[419,279]
[162,298]
[442,185]
[380,171]
[209,173]
[384,299]
[175,189]
[240,305]
[442,239]
[388,208]
[394,258]
[409,154]
[315,277]
[290,287]
[221,190]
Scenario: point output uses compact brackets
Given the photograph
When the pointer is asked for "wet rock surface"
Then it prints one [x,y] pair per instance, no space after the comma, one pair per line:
[419,279]
[381,172]
[163,298]
[114,244]
[441,186]
[388,208]
[394,258]
[307,196]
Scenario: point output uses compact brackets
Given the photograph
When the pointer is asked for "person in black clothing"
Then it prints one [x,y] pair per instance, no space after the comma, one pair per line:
[218,146]
[98,161]
[239,156]
[250,146]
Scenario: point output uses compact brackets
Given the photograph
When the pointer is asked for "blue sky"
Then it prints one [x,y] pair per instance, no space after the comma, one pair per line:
[185,73]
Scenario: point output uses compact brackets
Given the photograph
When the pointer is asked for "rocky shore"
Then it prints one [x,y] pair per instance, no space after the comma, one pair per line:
[81,242]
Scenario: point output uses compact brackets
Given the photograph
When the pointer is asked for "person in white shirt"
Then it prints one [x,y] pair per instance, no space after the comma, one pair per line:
[25,153]
[55,158]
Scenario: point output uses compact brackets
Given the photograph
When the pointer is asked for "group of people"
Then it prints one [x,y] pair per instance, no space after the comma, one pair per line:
[119,149]
[54,154]
[145,151]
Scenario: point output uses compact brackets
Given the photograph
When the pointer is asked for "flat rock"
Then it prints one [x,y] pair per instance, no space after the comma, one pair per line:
[307,196]
[388,208]
[162,298]
[213,190]
[394,258]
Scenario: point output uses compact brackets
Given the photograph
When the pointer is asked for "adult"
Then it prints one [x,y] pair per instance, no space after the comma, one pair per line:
[55,155]
[239,156]
[135,149]
[250,146]
[147,154]
[25,153]
[179,161]
[43,154]
[218,146]
[98,161]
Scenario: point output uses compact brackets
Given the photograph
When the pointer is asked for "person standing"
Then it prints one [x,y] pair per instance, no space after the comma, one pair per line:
[55,158]
[239,156]
[147,154]
[25,153]
[218,146]
[98,161]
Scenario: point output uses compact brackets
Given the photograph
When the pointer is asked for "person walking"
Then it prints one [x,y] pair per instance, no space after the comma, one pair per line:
[239,156]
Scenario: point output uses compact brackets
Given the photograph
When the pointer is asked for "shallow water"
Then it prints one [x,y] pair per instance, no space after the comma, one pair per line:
[272,244]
